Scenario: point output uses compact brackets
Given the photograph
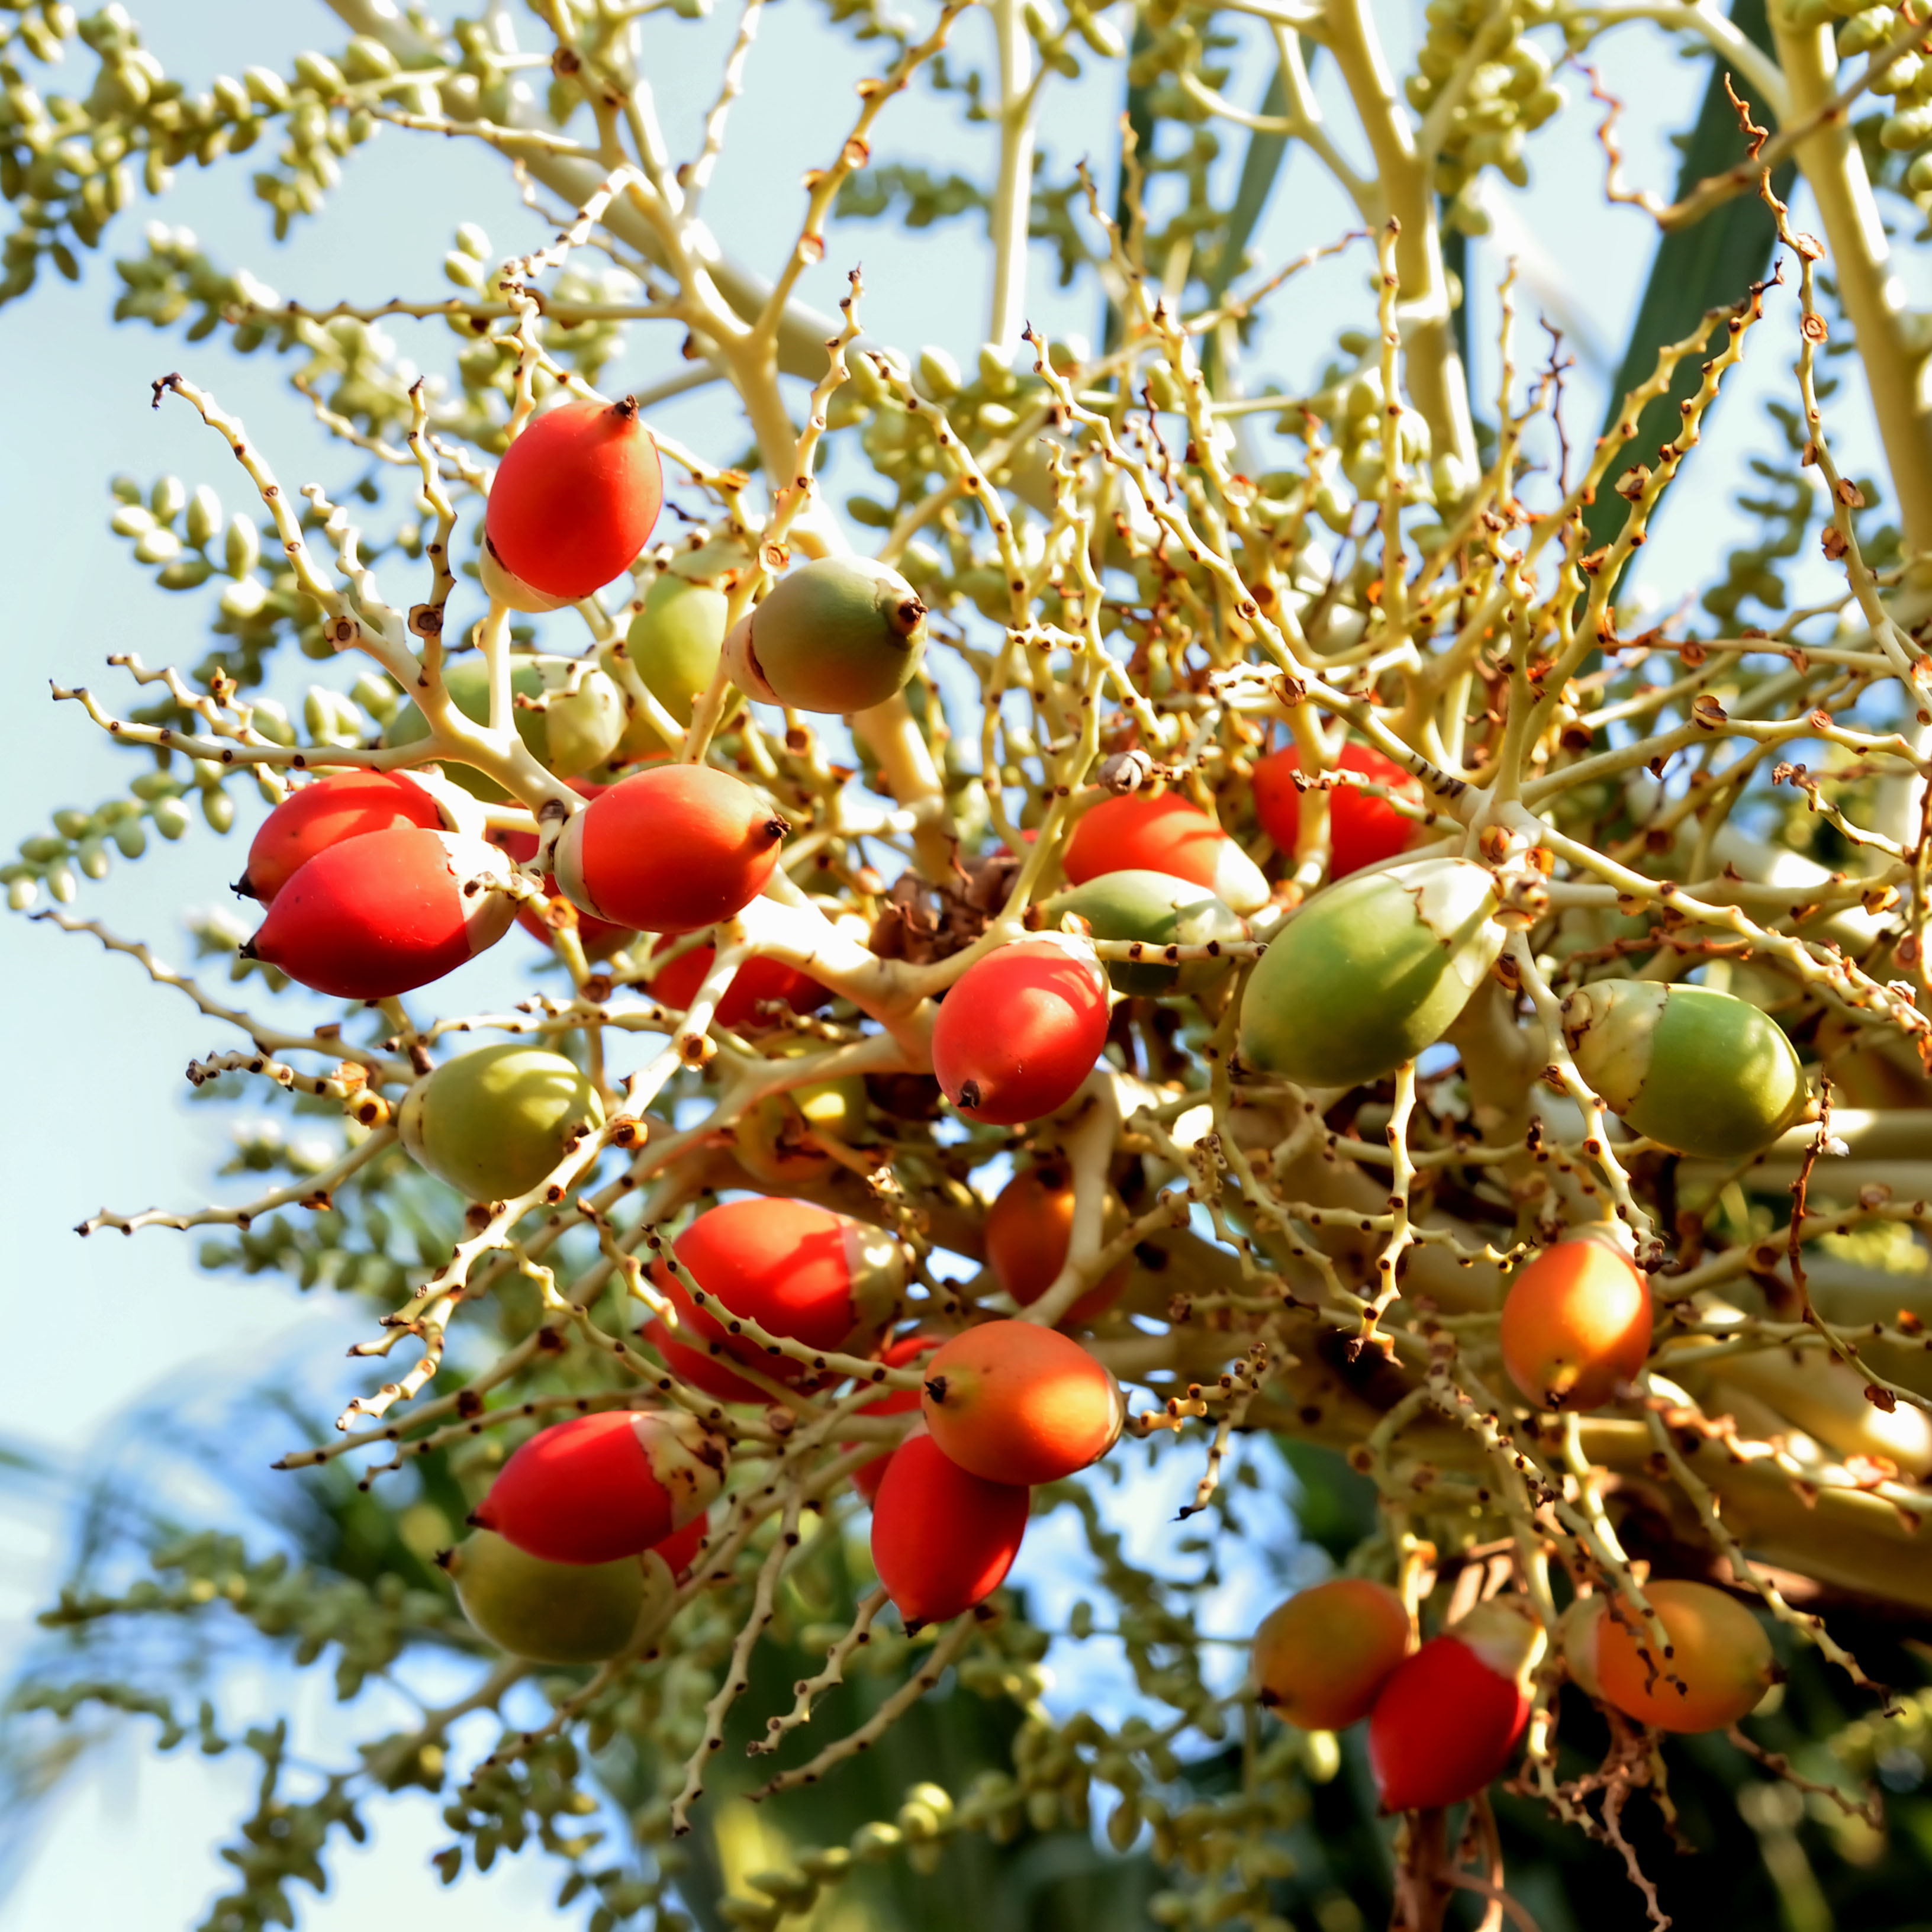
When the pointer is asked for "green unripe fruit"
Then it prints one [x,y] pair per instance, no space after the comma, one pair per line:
[1697,1071]
[467,681]
[838,635]
[1159,910]
[777,1139]
[673,646]
[1370,972]
[577,729]
[554,1612]
[494,1122]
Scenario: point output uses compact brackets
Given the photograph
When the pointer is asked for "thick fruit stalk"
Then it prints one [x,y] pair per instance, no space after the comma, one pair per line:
[839,634]
[1577,1325]
[574,719]
[1697,1071]
[1363,828]
[943,1539]
[1137,833]
[1718,1654]
[673,646]
[1015,1402]
[1158,911]
[1028,1230]
[1320,1660]
[494,1122]
[1370,972]
[601,1487]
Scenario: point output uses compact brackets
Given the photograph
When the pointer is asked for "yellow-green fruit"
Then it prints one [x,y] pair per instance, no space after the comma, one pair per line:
[494,1122]
[579,727]
[1159,910]
[1699,1072]
[673,646]
[837,635]
[1370,972]
[554,1612]
[778,1138]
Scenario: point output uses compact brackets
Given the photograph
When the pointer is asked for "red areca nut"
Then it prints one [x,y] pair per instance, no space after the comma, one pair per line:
[601,1487]
[943,1539]
[598,937]
[797,1270]
[1021,1029]
[343,805]
[1322,1659]
[1015,1402]
[1719,1657]
[867,1478]
[1136,833]
[386,911]
[1028,1229]
[675,983]
[1576,1324]
[1449,1716]
[1363,828]
[671,850]
[571,504]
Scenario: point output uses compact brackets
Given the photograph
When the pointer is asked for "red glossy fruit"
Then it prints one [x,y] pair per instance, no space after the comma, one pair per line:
[1576,1326]
[384,912]
[867,1478]
[675,985]
[1014,1402]
[1363,828]
[1136,833]
[343,805]
[1448,1718]
[943,1539]
[797,1270]
[1021,1031]
[598,937]
[1322,1659]
[1028,1228]
[601,1487]
[680,1548]
[675,848]
[573,501]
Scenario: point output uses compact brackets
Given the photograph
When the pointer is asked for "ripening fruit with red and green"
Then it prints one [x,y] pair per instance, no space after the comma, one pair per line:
[494,1122]
[1134,833]
[798,1271]
[943,1538]
[385,912]
[572,503]
[597,937]
[1016,1403]
[675,984]
[1718,1652]
[1700,1072]
[1576,1324]
[601,1487]
[552,1612]
[345,805]
[867,1478]
[1028,1229]
[1322,1659]
[1155,910]
[1363,829]
[839,634]
[670,849]
[1370,972]
[1020,1029]
[1450,1715]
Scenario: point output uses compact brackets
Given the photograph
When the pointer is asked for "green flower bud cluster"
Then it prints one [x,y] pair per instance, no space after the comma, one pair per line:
[1506,100]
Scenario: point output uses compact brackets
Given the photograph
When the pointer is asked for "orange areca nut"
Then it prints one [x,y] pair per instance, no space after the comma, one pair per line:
[1321,1658]
[1718,1652]
[1021,1030]
[1136,833]
[345,806]
[671,850]
[867,1478]
[1449,1717]
[943,1539]
[675,983]
[1015,1402]
[1028,1228]
[494,1122]
[573,501]
[838,635]
[797,1270]
[601,1487]
[384,912]
[1576,1326]
[1364,829]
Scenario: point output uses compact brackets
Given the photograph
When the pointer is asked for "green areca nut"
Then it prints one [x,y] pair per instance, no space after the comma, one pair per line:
[494,1122]
[1700,1072]
[1370,972]
[1159,910]
[579,726]
[672,645]
[838,635]
[552,1612]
